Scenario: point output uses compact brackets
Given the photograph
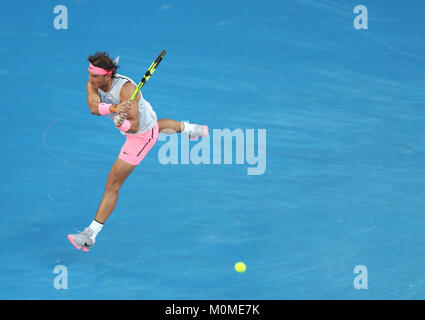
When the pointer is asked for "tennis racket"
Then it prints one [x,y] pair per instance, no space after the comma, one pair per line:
[145,78]
[148,74]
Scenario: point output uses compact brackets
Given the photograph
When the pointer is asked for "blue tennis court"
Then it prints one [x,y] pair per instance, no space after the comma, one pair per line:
[344,180]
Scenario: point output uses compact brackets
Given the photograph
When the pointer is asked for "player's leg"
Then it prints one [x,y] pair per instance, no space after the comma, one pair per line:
[192,130]
[170,126]
[118,174]
[132,153]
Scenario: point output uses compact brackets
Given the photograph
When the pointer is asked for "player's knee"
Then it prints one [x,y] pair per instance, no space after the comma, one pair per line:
[112,184]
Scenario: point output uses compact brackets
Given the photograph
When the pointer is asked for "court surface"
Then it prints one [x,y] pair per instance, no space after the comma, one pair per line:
[344,184]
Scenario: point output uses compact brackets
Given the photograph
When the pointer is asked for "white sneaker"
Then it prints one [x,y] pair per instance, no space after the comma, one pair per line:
[195,131]
[82,240]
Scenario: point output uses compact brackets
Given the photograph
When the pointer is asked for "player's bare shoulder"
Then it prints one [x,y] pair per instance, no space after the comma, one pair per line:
[127,91]
[93,99]
[90,89]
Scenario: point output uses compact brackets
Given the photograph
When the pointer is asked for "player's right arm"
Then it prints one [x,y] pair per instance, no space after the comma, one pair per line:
[93,99]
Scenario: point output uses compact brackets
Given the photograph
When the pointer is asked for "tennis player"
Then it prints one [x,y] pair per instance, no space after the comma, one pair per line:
[108,94]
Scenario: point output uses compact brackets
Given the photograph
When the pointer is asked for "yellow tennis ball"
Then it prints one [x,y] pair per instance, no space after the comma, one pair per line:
[240,267]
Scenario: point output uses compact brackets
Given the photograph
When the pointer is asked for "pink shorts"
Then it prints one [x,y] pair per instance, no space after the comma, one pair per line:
[137,146]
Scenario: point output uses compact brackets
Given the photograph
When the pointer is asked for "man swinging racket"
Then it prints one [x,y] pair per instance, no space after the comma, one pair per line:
[119,98]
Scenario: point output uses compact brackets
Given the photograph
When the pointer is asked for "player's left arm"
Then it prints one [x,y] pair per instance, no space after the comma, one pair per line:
[133,113]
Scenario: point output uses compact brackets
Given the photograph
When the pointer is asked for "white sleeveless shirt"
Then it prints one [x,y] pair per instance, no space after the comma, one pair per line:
[147,117]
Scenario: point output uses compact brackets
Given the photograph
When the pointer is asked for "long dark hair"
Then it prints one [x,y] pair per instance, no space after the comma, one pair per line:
[102,60]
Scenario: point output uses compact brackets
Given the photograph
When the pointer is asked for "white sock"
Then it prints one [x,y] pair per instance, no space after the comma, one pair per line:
[188,127]
[96,227]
